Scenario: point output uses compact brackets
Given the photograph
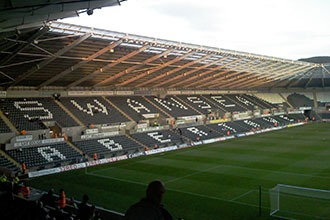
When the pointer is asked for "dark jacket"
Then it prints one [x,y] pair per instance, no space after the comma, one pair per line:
[147,210]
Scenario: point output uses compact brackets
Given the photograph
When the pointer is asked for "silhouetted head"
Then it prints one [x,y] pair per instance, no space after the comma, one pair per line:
[155,191]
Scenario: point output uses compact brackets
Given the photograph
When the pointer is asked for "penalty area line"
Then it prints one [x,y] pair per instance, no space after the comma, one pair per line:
[178,191]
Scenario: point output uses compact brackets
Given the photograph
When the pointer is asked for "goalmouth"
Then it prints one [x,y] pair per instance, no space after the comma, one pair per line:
[295,202]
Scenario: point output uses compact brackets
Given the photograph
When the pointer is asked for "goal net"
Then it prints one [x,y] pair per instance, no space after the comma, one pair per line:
[294,202]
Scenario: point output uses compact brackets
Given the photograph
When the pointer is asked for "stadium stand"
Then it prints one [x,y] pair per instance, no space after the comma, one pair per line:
[42,156]
[59,115]
[262,104]
[227,128]
[265,122]
[240,100]
[200,103]
[273,99]
[297,117]
[172,106]
[199,133]
[4,162]
[299,100]
[161,138]
[248,125]
[283,119]
[223,102]
[99,110]
[270,121]
[292,118]
[136,107]
[109,146]
[25,114]
[93,110]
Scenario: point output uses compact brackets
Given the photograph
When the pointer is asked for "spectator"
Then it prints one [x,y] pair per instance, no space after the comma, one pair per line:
[84,209]
[62,199]
[49,199]
[150,207]
[24,190]
[23,167]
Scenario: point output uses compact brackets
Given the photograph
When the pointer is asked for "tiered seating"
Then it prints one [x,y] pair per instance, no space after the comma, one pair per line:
[32,111]
[199,133]
[269,122]
[227,128]
[291,118]
[241,100]
[283,119]
[59,115]
[135,106]
[271,98]
[108,146]
[262,104]
[225,103]
[173,106]
[4,162]
[161,138]
[297,117]
[286,119]
[3,127]
[93,110]
[43,155]
[25,114]
[199,103]
[248,125]
[299,100]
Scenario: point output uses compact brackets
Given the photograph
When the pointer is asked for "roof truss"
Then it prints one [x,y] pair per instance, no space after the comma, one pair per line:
[70,57]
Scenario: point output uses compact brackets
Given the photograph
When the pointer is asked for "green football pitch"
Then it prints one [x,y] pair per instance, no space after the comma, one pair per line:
[210,182]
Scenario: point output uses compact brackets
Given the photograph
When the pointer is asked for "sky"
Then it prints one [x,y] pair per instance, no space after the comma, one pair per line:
[290,29]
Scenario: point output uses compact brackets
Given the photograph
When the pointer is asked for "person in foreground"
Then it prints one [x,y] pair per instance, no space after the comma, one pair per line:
[150,207]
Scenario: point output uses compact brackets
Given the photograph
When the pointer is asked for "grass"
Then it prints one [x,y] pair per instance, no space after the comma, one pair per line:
[210,182]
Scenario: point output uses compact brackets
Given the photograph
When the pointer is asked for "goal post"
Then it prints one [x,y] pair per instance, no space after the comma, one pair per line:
[295,202]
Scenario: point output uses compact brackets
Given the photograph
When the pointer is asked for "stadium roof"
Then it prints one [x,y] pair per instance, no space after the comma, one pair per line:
[21,14]
[70,57]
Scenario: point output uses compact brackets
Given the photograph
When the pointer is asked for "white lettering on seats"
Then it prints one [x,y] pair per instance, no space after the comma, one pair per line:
[226,127]
[136,106]
[251,123]
[219,99]
[110,144]
[244,101]
[169,105]
[49,152]
[91,107]
[157,136]
[197,131]
[33,106]
[196,100]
